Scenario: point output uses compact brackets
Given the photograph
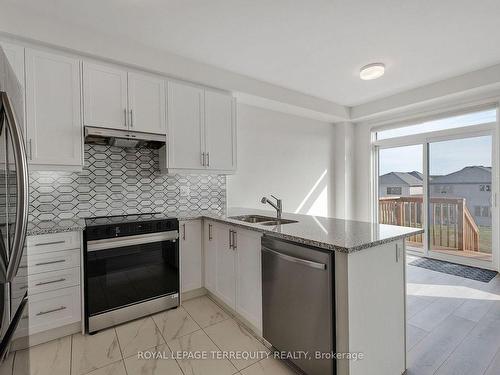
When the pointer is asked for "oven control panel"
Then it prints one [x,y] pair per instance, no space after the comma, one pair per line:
[99,229]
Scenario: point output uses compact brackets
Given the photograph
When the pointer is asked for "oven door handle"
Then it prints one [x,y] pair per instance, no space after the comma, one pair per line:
[112,243]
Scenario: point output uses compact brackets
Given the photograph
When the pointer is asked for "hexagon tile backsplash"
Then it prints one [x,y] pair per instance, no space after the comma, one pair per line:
[117,181]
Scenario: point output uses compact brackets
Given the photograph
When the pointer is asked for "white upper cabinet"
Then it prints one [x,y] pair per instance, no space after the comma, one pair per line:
[201,130]
[117,99]
[15,56]
[53,96]
[219,131]
[104,96]
[185,127]
[146,99]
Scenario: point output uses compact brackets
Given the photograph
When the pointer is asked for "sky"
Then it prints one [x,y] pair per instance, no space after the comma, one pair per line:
[444,157]
[469,119]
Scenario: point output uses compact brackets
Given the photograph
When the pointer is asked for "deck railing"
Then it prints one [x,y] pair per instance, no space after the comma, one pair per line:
[451,223]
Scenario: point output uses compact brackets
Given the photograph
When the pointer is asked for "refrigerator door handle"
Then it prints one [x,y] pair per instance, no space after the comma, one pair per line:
[21,164]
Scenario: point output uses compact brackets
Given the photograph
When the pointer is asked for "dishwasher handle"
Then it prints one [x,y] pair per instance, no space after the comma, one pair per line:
[308,263]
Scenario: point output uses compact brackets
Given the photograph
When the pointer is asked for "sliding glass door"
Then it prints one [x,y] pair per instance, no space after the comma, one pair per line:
[460,197]
[400,190]
[443,179]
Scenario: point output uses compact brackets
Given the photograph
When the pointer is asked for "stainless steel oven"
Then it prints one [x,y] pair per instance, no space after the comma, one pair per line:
[131,268]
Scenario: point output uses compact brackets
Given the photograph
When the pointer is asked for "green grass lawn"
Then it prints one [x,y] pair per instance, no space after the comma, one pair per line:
[484,238]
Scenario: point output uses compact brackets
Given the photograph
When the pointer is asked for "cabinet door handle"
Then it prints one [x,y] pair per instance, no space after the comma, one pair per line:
[235,240]
[230,239]
[184,232]
[208,159]
[51,262]
[125,117]
[49,243]
[203,159]
[131,118]
[50,282]
[397,253]
[51,311]
[210,232]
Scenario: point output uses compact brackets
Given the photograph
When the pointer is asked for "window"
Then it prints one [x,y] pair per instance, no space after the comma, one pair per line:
[396,190]
[486,211]
[442,189]
[484,187]
[450,159]
[460,121]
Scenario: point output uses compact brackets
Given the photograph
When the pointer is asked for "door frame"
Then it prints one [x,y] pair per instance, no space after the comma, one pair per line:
[424,139]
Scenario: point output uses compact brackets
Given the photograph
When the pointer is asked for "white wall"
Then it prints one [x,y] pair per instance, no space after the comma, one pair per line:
[285,155]
[18,24]
[362,188]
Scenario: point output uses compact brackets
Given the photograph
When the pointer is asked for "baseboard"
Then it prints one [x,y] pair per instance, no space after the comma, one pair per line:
[46,336]
[195,293]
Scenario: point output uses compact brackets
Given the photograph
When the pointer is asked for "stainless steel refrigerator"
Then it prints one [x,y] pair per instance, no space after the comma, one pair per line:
[13,200]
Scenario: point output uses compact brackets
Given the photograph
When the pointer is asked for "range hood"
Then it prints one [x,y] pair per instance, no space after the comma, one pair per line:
[123,138]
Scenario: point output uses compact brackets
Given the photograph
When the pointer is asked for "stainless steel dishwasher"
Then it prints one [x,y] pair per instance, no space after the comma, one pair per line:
[298,303]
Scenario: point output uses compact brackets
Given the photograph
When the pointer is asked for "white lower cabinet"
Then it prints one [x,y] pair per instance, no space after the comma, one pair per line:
[233,269]
[377,331]
[50,310]
[50,272]
[210,248]
[249,276]
[190,250]
[225,276]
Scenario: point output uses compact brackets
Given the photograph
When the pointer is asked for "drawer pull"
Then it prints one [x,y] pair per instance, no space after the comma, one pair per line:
[51,262]
[23,266]
[49,243]
[50,282]
[51,311]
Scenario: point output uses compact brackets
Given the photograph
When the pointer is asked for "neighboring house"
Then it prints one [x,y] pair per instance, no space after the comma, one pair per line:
[400,184]
[472,183]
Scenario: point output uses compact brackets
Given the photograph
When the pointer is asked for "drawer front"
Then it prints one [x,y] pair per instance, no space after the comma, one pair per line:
[45,282]
[53,242]
[47,262]
[50,310]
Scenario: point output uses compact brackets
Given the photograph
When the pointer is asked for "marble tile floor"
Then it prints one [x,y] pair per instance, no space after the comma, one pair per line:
[198,326]
[453,328]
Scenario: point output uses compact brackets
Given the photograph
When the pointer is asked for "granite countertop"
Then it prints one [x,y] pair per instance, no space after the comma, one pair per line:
[345,236]
[36,227]
[327,233]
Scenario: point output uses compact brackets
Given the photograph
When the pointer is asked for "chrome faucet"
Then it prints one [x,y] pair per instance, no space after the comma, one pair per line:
[278,206]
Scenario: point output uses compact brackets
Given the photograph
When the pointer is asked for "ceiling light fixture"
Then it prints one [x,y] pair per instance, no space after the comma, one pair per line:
[372,71]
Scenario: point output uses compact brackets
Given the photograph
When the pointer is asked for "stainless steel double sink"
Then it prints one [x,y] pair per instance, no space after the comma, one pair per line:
[262,220]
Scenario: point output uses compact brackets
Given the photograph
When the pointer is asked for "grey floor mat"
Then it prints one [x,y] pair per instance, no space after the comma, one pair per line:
[473,273]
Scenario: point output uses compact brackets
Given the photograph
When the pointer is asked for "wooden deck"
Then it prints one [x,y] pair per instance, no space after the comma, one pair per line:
[452,227]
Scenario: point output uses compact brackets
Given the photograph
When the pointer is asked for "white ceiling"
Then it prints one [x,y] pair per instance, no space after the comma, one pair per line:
[311,46]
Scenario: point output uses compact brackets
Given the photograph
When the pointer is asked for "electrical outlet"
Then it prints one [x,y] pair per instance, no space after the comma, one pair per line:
[185,191]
